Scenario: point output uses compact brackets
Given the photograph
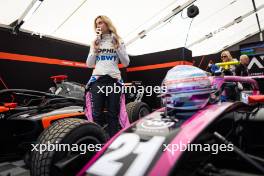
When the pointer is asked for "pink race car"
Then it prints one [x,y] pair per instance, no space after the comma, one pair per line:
[195,133]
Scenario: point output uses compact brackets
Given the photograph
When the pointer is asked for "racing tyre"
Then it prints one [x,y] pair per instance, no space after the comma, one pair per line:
[71,132]
[137,110]
[27,159]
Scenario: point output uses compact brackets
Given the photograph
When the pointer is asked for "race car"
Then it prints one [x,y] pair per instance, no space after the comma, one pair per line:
[190,135]
[24,114]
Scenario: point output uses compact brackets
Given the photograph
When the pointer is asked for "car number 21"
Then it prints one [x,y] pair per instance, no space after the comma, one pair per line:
[109,164]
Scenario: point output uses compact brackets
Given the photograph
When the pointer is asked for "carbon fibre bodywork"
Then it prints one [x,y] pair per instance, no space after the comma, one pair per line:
[29,112]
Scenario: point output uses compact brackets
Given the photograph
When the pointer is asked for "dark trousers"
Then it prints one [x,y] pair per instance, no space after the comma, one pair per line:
[101,98]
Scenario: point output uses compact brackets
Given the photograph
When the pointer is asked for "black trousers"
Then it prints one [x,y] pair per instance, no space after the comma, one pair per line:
[102,97]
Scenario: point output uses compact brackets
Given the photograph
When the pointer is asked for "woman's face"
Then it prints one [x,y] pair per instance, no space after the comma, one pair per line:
[102,25]
[224,57]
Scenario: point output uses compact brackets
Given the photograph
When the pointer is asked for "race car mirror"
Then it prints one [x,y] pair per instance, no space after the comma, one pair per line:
[10,105]
[59,78]
[256,99]
[7,107]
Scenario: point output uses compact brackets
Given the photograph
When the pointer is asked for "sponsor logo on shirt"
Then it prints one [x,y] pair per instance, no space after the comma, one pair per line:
[106,54]
[106,58]
[106,50]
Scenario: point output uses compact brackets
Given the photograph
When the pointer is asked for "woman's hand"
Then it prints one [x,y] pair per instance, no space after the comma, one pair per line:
[96,44]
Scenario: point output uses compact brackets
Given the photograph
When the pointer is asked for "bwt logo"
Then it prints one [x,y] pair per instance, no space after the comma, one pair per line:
[258,62]
[156,124]
[106,58]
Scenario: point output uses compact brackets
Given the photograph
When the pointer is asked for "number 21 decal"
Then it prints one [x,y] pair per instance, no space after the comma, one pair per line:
[109,164]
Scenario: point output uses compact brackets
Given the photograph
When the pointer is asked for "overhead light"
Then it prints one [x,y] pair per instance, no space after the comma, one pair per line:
[238,19]
[142,34]
[209,35]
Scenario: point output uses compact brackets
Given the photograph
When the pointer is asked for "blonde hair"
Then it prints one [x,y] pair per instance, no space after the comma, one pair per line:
[110,26]
[227,53]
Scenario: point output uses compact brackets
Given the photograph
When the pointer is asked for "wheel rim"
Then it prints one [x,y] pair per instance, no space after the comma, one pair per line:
[76,154]
[84,140]
[143,112]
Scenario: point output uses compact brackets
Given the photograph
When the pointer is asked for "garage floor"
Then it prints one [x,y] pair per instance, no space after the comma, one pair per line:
[16,168]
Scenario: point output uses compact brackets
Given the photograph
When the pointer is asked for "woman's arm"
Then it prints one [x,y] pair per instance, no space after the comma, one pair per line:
[90,62]
[122,54]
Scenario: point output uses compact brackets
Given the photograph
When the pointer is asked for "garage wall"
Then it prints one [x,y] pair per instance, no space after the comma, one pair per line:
[32,75]
[28,61]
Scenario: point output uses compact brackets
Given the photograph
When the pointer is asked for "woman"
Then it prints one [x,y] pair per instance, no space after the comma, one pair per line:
[227,57]
[105,53]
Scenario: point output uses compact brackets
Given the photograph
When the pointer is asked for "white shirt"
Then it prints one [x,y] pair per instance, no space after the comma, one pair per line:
[107,59]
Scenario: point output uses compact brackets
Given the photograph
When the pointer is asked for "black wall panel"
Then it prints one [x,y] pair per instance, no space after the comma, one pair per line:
[27,75]
[28,44]
[19,74]
[162,57]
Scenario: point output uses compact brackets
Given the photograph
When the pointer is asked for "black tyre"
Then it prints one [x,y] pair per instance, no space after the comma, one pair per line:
[27,159]
[137,110]
[67,131]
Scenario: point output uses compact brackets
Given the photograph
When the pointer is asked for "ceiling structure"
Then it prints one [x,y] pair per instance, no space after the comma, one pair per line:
[165,25]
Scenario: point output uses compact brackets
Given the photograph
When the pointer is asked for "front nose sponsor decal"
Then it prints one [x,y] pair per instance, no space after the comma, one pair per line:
[156,124]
